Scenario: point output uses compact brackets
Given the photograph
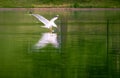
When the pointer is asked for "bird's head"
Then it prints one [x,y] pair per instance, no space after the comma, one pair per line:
[57,16]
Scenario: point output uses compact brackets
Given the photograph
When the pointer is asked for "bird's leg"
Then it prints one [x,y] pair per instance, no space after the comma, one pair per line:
[51,29]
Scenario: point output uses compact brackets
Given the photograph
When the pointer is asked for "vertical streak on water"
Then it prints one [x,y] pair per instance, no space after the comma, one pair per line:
[117,54]
[63,32]
[107,66]
[113,48]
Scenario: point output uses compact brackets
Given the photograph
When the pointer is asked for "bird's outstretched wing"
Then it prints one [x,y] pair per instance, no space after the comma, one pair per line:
[53,19]
[41,18]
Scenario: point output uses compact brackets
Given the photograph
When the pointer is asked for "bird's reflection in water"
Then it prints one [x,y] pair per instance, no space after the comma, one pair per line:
[47,38]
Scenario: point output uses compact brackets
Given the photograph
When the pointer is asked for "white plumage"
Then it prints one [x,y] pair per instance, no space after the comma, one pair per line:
[47,24]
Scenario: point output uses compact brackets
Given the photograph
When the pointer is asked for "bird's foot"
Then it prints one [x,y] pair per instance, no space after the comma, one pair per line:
[52,31]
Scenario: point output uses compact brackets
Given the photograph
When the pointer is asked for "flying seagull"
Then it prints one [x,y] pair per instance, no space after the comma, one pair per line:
[47,24]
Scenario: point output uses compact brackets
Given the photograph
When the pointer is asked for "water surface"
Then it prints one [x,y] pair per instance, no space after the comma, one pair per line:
[86,44]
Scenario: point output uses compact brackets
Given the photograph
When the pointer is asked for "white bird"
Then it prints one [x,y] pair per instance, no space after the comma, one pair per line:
[48,24]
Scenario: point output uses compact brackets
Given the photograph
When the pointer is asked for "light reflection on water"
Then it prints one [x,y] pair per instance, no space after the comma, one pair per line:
[47,38]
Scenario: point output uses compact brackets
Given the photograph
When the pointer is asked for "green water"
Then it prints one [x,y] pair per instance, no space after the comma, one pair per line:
[88,45]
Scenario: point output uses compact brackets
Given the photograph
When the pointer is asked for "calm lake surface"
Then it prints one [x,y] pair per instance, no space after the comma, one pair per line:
[85,45]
